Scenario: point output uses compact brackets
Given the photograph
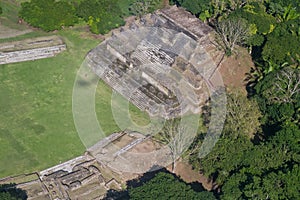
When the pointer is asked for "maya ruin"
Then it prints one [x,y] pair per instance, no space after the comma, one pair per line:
[161,63]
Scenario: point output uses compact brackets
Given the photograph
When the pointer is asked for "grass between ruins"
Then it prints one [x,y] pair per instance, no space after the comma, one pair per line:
[36,122]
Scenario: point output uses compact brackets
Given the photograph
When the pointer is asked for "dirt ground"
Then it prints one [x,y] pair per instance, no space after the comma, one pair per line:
[234,69]
[144,147]
[186,173]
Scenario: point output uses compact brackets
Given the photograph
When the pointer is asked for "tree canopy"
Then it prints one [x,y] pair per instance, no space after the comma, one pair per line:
[167,186]
[48,15]
[141,7]
[101,15]
[278,95]
[243,116]
[10,192]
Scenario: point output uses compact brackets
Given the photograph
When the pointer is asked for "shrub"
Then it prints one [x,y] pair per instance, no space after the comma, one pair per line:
[101,15]
[48,15]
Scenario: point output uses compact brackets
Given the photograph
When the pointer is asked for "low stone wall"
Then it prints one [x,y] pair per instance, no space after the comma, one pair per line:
[31,49]
[31,54]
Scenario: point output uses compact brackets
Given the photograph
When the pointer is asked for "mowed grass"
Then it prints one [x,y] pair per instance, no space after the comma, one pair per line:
[37,130]
[36,122]
[9,17]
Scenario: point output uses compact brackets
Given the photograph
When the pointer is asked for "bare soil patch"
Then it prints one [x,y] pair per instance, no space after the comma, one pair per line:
[145,147]
[186,173]
[234,69]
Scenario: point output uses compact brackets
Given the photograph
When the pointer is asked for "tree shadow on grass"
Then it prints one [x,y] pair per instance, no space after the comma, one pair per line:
[13,191]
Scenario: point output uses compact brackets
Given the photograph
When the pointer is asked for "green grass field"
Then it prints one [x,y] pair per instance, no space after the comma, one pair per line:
[10,14]
[36,126]
[36,122]
[37,130]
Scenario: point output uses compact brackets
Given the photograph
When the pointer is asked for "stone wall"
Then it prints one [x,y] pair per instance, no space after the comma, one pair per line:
[84,177]
[31,54]
[30,49]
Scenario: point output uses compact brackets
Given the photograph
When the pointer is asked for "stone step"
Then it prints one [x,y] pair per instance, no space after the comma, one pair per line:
[141,57]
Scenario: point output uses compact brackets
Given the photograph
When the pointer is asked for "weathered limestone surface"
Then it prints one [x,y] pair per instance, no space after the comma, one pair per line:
[84,177]
[159,65]
[30,49]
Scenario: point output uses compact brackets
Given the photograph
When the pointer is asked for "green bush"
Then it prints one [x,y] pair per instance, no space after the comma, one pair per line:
[48,15]
[11,192]
[101,15]
[196,7]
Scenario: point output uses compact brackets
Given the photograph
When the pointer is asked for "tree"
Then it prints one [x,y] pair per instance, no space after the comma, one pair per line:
[211,9]
[177,138]
[260,24]
[284,12]
[48,15]
[195,6]
[243,116]
[232,32]
[101,15]
[166,186]
[6,196]
[10,192]
[268,170]
[1,10]
[231,188]
[142,7]
[255,14]
[283,43]
[246,171]
[277,184]
[265,171]
[287,141]
[278,96]
[285,87]
[227,156]
[289,13]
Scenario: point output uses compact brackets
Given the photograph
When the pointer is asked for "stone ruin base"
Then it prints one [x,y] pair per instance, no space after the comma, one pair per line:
[31,49]
[85,177]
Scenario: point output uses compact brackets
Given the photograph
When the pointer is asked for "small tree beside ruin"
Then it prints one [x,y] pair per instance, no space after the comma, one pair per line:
[142,7]
[232,32]
[177,137]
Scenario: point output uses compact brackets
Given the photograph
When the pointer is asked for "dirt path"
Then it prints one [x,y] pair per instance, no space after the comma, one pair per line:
[6,32]
[235,68]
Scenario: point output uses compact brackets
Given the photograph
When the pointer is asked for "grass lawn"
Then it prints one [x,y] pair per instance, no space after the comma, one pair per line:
[37,130]
[36,125]
[10,14]
[36,122]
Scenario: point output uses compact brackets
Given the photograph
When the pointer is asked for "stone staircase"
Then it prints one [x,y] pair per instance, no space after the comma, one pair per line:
[153,47]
